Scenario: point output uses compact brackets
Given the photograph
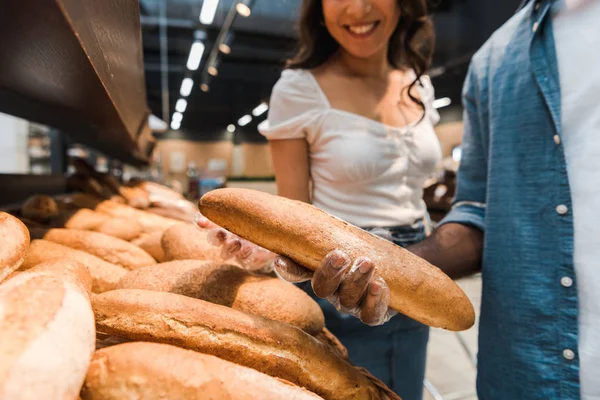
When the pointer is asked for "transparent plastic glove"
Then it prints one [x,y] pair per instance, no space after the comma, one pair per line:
[351,286]
[250,256]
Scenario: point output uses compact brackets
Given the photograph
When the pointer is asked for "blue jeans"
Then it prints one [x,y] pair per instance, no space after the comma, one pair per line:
[394,352]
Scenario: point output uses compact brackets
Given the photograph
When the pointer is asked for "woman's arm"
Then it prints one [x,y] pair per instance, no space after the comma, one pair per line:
[292,170]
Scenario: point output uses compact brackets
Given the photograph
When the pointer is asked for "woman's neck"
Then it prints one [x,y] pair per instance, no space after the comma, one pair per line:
[376,66]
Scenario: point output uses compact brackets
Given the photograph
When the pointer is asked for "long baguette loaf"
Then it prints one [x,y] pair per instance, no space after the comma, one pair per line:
[46,332]
[151,244]
[233,287]
[150,222]
[108,248]
[307,234]
[105,275]
[153,371]
[271,347]
[14,237]
[90,220]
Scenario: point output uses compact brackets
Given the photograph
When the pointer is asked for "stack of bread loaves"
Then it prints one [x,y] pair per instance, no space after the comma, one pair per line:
[113,302]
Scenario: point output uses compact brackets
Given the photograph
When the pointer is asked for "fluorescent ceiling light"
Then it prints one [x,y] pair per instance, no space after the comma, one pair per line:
[260,109]
[186,87]
[231,128]
[243,8]
[181,105]
[175,125]
[209,9]
[443,102]
[177,116]
[195,57]
[245,120]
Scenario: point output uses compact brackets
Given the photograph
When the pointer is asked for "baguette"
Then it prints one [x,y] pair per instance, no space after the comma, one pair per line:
[271,347]
[90,220]
[14,237]
[152,371]
[47,332]
[105,275]
[152,245]
[108,248]
[233,287]
[307,234]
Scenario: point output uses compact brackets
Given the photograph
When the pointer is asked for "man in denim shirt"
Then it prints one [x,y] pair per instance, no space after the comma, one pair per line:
[529,180]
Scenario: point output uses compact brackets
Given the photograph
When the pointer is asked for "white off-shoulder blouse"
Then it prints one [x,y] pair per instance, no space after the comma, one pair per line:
[365,172]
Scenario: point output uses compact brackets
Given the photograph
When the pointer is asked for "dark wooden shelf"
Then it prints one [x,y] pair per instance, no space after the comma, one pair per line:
[78,66]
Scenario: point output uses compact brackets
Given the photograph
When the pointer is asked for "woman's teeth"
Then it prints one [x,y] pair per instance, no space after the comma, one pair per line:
[362,29]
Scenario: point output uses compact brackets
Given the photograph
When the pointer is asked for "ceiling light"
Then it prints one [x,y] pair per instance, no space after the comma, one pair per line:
[186,87]
[443,102]
[260,109]
[213,70]
[181,105]
[245,120]
[195,57]
[244,8]
[231,128]
[204,87]
[209,9]
[175,125]
[177,116]
[225,47]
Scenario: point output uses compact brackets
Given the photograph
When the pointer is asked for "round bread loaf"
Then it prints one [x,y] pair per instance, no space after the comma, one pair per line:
[151,244]
[233,287]
[47,333]
[307,234]
[153,371]
[271,347]
[185,241]
[40,208]
[104,274]
[108,248]
[14,237]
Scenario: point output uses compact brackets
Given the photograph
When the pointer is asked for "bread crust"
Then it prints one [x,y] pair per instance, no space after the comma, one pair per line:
[105,275]
[152,371]
[233,287]
[271,347]
[14,237]
[108,248]
[307,234]
[47,333]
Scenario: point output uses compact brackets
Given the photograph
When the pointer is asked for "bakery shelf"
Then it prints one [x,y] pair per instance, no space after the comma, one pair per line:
[78,66]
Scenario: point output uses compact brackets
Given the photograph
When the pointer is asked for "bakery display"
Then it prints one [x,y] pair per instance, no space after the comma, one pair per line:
[307,234]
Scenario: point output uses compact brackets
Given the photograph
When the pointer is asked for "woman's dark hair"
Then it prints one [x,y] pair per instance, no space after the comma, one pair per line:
[411,45]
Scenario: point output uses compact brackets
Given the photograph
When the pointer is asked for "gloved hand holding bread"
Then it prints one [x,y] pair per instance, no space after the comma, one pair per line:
[362,272]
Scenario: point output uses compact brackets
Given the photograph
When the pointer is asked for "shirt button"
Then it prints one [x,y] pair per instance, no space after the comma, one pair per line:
[535,27]
[566,281]
[568,354]
[562,209]
[557,139]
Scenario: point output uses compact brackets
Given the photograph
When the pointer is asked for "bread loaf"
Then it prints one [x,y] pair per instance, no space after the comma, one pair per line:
[231,286]
[108,248]
[39,208]
[150,222]
[120,228]
[185,241]
[271,347]
[90,220]
[14,237]
[151,244]
[104,274]
[46,332]
[152,371]
[307,234]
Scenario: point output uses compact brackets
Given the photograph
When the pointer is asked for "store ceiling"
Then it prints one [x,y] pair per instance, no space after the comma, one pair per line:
[262,43]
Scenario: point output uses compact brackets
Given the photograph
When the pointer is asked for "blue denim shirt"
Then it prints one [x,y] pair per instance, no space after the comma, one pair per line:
[513,185]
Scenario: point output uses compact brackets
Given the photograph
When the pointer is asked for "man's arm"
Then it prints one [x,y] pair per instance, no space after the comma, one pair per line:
[454,248]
